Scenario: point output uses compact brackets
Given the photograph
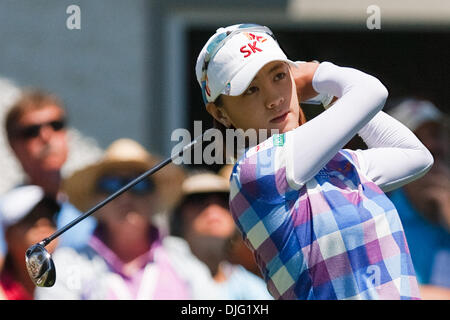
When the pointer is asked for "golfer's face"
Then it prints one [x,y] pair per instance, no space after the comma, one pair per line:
[269,102]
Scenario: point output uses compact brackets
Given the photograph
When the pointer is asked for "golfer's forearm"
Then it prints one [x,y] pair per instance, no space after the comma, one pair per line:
[395,155]
[316,142]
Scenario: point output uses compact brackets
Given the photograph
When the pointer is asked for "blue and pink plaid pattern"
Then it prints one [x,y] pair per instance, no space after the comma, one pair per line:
[336,237]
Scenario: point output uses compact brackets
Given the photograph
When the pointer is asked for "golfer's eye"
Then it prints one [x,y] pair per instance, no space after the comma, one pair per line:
[280,76]
[251,90]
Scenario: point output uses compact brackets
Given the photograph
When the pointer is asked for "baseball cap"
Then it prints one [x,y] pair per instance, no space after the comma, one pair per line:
[413,113]
[232,57]
[18,203]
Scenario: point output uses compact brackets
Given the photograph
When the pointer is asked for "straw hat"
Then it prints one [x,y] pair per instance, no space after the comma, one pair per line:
[124,154]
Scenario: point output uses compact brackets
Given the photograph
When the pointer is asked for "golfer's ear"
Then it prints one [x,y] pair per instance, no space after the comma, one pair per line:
[218,113]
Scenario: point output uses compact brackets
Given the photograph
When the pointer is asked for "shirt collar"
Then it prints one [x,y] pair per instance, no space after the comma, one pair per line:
[114,262]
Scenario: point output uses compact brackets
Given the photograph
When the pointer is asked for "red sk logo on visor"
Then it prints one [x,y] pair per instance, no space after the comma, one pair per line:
[252,46]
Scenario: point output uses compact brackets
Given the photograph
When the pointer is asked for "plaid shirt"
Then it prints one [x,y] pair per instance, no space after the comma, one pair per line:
[336,237]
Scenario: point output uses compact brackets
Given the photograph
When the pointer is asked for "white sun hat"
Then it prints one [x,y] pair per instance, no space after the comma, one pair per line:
[233,56]
[18,202]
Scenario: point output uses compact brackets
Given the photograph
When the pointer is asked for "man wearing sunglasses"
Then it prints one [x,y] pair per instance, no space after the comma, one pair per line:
[36,132]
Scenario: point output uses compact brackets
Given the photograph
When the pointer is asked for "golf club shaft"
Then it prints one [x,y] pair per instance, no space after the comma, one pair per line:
[162,164]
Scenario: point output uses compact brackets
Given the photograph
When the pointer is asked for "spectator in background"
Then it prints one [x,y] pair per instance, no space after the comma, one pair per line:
[424,204]
[36,132]
[202,218]
[27,218]
[124,258]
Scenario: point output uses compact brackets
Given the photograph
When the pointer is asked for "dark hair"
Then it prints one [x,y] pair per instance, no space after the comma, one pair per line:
[48,207]
[30,100]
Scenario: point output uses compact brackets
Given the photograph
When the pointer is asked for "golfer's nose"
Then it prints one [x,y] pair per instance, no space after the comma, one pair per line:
[273,98]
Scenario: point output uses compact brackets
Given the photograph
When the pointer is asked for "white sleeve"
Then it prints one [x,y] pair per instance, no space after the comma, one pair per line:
[312,145]
[395,156]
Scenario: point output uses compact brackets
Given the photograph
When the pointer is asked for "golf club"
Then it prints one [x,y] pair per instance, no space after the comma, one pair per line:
[38,260]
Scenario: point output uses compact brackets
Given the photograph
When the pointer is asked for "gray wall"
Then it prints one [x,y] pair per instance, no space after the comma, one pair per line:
[122,74]
[99,71]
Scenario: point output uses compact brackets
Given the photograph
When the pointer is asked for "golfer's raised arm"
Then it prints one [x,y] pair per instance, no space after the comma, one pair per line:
[395,156]
[314,144]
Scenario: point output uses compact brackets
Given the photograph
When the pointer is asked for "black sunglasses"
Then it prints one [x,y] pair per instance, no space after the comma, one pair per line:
[33,131]
[110,184]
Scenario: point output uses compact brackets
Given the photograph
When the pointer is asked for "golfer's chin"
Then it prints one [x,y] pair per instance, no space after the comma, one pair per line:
[289,128]
[289,124]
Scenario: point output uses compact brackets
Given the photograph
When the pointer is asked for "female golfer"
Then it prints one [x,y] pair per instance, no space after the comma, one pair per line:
[314,214]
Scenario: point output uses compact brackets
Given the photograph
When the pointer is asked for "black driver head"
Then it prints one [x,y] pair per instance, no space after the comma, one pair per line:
[40,266]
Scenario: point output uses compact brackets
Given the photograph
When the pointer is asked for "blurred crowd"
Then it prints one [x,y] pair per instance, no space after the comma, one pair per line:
[424,204]
[124,251]
[171,236]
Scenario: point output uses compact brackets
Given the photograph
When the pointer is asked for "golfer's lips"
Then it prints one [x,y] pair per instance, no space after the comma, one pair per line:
[281,117]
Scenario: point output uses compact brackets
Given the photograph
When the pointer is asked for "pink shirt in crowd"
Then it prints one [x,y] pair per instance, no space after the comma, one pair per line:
[156,279]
